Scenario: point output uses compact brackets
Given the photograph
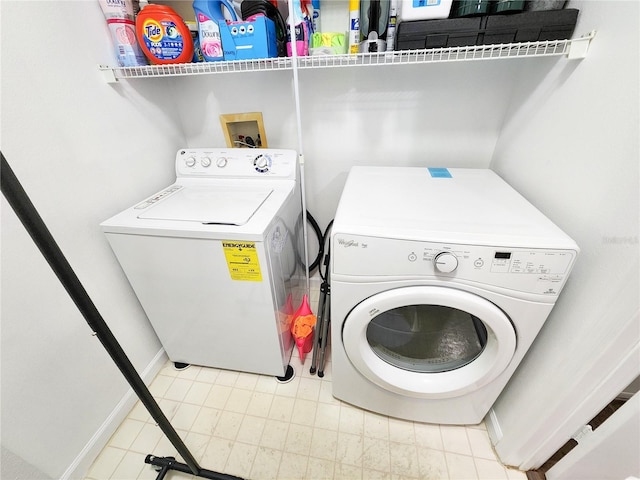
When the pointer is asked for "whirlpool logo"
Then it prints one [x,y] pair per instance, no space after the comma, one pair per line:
[347,243]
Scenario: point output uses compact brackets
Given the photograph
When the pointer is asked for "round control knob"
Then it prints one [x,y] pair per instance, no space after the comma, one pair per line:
[190,162]
[262,163]
[205,162]
[445,262]
[221,162]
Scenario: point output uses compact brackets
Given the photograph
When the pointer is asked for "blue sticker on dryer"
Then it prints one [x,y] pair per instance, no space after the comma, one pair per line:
[439,173]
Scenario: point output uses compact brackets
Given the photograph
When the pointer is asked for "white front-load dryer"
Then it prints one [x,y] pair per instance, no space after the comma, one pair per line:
[440,281]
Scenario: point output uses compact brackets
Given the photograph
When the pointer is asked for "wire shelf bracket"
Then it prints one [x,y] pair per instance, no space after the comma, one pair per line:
[573,49]
[580,46]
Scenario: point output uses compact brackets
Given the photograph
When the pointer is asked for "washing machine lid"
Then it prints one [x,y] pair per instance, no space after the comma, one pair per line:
[222,205]
[223,210]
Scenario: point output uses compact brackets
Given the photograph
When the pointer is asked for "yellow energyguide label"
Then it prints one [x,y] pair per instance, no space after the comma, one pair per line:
[242,260]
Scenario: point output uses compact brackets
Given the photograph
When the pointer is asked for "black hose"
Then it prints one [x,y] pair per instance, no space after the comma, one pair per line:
[327,245]
[316,229]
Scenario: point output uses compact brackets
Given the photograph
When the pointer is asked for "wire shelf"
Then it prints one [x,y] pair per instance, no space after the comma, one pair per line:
[188,69]
[572,48]
[435,55]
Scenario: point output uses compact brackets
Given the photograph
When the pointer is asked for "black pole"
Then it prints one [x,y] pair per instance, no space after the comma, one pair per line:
[28,215]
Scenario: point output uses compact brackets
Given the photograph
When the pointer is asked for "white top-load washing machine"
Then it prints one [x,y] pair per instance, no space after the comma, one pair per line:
[440,281]
[213,258]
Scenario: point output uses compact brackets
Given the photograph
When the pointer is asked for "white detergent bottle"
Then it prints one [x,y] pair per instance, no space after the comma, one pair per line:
[208,14]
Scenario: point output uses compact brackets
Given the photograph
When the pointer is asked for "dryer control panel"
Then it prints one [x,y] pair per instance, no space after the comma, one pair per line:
[236,163]
[538,271]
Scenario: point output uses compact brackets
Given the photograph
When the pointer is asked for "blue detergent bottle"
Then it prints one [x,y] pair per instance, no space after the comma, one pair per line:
[208,14]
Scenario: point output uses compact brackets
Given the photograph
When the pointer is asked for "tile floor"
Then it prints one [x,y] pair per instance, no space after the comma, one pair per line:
[254,427]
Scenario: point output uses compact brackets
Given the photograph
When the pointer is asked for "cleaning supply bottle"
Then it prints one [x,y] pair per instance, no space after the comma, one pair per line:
[354,26]
[163,35]
[302,31]
[121,21]
[391,26]
[315,16]
[197,51]
[208,14]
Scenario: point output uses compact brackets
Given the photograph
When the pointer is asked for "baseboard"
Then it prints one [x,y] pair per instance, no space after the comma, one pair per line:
[81,464]
[493,427]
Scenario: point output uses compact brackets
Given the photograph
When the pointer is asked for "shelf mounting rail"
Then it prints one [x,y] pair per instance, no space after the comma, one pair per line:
[573,49]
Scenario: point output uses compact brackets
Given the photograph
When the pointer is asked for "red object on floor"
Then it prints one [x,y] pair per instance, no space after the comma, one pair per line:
[302,327]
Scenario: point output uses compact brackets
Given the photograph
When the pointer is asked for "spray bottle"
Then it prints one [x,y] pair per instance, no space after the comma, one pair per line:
[208,14]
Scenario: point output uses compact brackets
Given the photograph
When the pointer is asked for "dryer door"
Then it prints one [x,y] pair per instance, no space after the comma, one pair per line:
[429,342]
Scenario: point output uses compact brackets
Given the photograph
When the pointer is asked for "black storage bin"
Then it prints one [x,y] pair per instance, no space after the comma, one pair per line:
[529,26]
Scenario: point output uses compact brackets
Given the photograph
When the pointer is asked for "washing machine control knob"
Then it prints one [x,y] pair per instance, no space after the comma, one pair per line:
[262,163]
[221,162]
[445,262]
[205,162]
[190,162]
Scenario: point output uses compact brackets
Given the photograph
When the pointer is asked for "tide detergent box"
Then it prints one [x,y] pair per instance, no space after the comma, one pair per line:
[249,39]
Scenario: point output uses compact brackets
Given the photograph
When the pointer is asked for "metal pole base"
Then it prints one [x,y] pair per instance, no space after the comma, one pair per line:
[167,464]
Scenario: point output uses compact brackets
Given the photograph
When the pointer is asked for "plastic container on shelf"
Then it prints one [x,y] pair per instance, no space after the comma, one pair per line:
[354,26]
[508,6]
[163,35]
[469,8]
[121,22]
[208,15]
[487,29]
[423,9]
[535,5]
[303,31]
[391,26]
[197,51]
[315,16]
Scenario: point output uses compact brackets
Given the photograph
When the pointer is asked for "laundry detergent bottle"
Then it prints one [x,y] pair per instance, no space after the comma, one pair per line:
[163,35]
[208,14]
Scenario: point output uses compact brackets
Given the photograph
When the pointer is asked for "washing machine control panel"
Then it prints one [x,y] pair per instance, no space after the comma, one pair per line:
[540,271]
[236,163]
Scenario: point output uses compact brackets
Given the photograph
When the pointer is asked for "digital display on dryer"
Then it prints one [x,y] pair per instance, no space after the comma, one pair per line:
[503,255]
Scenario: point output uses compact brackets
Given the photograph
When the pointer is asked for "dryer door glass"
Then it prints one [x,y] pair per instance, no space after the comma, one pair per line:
[427,338]
[428,341]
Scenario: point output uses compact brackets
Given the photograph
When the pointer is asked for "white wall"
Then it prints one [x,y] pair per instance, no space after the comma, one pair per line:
[437,114]
[420,115]
[609,453]
[446,114]
[83,150]
[570,145]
